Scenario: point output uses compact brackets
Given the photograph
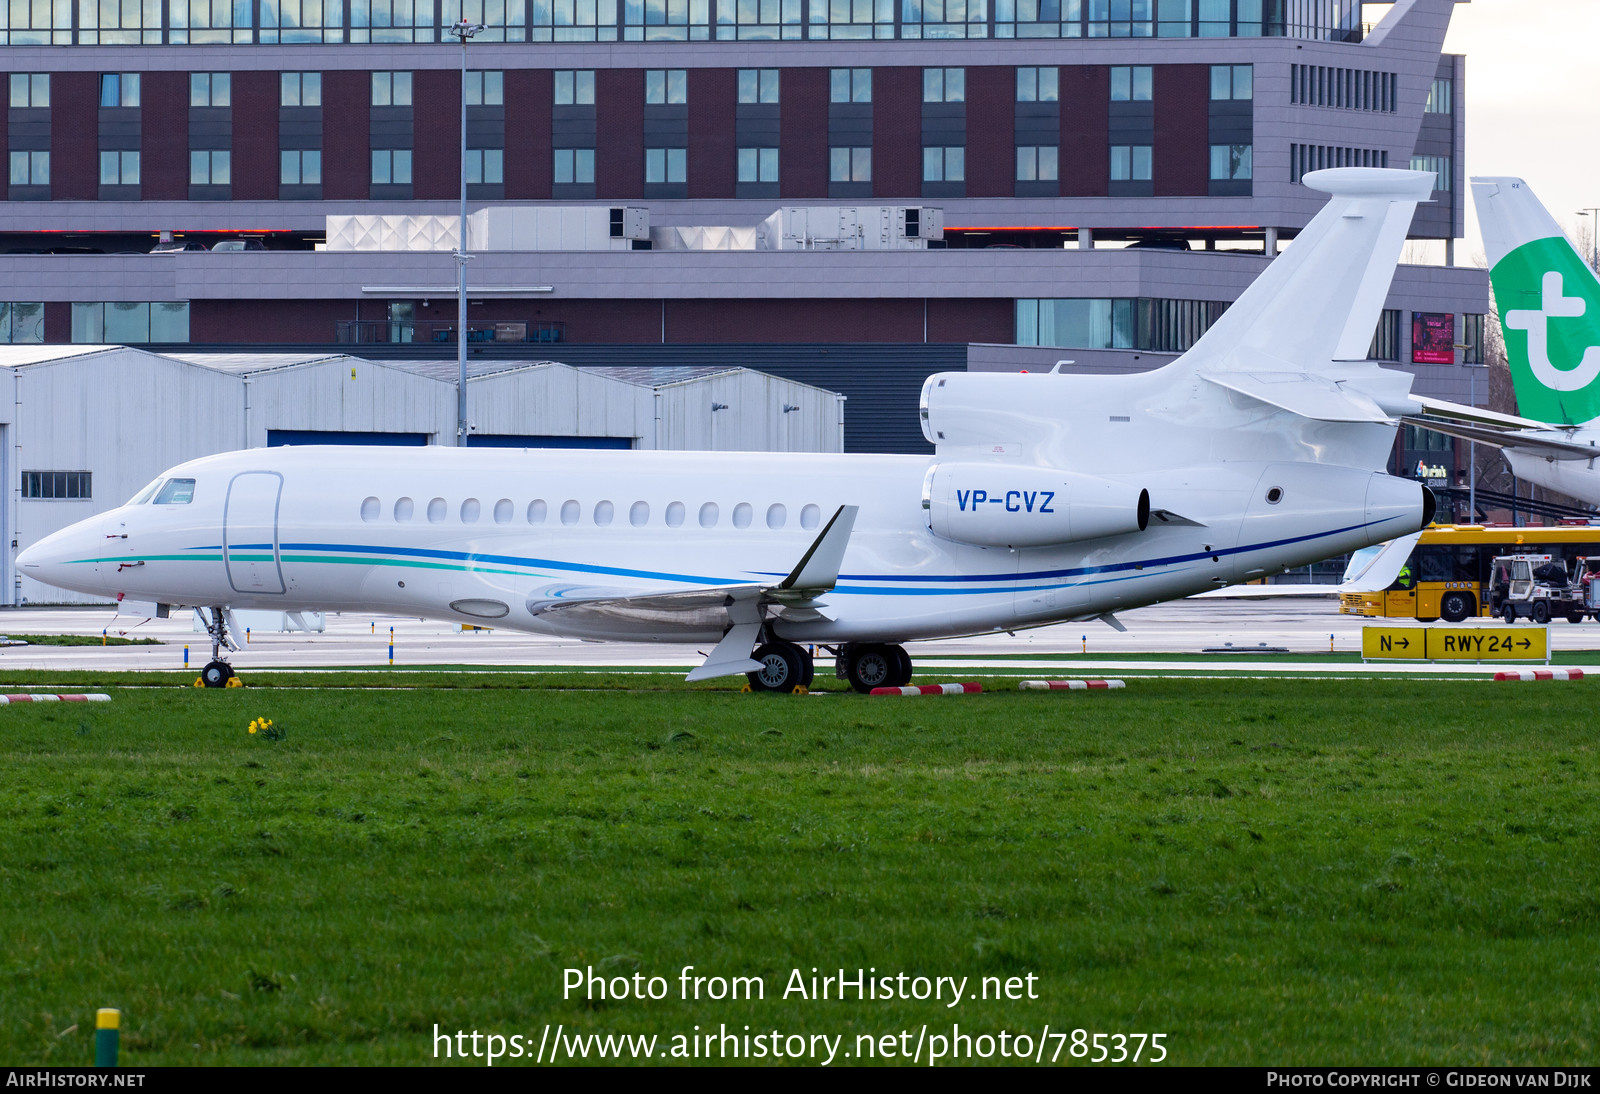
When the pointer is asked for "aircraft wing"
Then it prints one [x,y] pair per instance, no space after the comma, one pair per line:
[737,611]
[1553,444]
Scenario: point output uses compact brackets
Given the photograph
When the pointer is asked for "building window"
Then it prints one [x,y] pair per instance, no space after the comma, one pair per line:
[300,89]
[1037,163]
[57,485]
[1144,323]
[573,21]
[574,166]
[944,19]
[666,20]
[575,87]
[944,164]
[123,322]
[753,20]
[1132,18]
[119,89]
[1439,165]
[204,22]
[944,85]
[292,21]
[1038,85]
[22,322]
[758,85]
[391,21]
[1386,339]
[1232,82]
[119,168]
[666,86]
[850,165]
[850,85]
[858,19]
[30,169]
[214,168]
[300,168]
[391,89]
[1230,161]
[30,89]
[1471,339]
[210,89]
[1130,163]
[665,165]
[1440,97]
[758,165]
[1132,83]
[486,89]
[391,167]
[1306,158]
[486,165]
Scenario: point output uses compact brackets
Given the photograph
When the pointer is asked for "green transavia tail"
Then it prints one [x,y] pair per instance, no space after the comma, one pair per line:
[1549,303]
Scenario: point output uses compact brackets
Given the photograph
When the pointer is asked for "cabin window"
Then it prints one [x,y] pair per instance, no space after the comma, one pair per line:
[639,515]
[569,511]
[502,511]
[708,515]
[604,511]
[536,511]
[470,511]
[436,511]
[777,515]
[675,513]
[810,516]
[742,514]
[175,492]
[371,508]
[403,509]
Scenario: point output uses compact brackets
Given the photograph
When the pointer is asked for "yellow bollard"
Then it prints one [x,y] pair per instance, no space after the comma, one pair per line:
[107,1032]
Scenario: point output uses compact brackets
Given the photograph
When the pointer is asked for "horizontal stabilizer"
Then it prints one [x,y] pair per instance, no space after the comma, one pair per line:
[1550,443]
[1445,409]
[1314,397]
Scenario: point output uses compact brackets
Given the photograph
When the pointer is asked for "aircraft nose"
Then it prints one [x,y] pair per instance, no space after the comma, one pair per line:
[65,559]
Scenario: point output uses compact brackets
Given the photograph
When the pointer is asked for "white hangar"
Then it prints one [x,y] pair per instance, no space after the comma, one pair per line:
[87,426]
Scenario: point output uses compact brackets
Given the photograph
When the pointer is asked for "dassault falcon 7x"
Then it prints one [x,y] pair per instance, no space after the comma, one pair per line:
[1049,497]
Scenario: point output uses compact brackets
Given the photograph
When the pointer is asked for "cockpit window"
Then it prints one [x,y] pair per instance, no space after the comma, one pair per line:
[144,495]
[176,492]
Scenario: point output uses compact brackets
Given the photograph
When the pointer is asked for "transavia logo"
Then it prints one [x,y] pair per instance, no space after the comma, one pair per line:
[1550,304]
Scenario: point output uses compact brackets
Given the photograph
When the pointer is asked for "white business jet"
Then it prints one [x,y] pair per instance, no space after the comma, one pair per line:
[1050,497]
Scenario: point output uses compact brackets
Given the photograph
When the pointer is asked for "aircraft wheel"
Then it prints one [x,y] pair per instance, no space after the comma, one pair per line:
[902,673]
[216,674]
[1456,606]
[871,667]
[1541,611]
[783,667]
[1508,612]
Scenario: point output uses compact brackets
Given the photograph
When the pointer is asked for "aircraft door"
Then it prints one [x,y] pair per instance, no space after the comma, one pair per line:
[250,532]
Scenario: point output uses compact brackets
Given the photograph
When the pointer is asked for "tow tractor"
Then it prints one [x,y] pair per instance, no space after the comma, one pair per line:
[1536,587]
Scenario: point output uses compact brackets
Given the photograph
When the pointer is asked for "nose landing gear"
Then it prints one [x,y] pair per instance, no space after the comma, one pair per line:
[217,672]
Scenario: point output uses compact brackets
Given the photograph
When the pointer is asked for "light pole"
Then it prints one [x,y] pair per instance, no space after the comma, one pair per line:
[462,30]
[1594,235]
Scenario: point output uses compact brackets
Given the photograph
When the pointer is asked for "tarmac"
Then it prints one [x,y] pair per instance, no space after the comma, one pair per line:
[1298,625]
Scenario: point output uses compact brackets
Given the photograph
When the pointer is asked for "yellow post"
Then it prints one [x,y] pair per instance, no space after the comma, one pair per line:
[107,1026]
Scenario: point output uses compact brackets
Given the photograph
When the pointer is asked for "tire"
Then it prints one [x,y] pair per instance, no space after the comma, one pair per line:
[902,673]
[1574,617]
[1427,619]
[872,667]
[1457,606]
[216,674]
[1540,611]
[1508,612]
[783,667]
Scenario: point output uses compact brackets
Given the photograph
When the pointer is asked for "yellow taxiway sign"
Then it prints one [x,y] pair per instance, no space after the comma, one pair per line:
[1510,643]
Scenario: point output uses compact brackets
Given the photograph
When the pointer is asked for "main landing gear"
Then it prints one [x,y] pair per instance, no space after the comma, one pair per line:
[786,666]
[217,672]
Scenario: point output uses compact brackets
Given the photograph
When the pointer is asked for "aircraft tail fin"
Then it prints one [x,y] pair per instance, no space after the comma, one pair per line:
[1549,304]
[1320,300]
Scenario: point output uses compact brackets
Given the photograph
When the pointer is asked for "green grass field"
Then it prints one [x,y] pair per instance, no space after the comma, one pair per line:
[1272,871]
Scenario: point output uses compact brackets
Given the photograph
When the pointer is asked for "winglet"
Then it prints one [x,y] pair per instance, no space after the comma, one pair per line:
[818,569]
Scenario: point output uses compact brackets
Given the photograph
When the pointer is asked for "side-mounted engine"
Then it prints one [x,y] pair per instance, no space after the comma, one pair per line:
[1001,504]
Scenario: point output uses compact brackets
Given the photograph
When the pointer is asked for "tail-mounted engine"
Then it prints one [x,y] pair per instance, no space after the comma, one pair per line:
[1002,505]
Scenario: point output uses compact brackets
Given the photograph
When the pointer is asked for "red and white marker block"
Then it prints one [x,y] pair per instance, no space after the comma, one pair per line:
[931,689]
[40,697]
[1541,674]
[1068,685]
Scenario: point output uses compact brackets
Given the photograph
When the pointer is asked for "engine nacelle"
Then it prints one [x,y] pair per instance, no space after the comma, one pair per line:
[1002,505]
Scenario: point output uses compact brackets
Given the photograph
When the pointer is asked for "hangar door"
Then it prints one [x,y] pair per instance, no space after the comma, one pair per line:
[277,437]
[515,440]
[250,532]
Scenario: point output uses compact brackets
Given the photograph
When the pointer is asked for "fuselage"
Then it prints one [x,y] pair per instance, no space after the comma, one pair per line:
[504,537]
